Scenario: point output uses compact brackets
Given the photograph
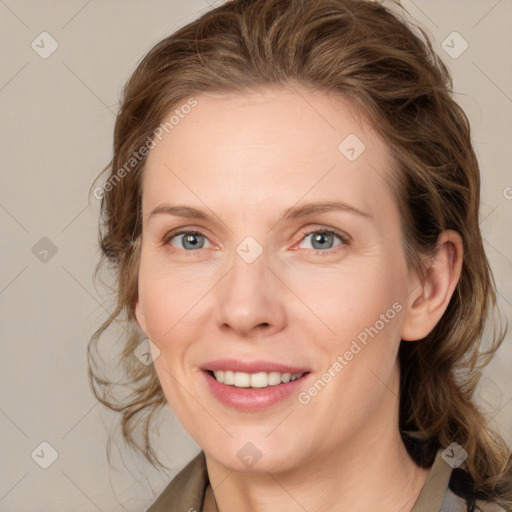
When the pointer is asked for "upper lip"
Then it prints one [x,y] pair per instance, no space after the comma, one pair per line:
[236,365]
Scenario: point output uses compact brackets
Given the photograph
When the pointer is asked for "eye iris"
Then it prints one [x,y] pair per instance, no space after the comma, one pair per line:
[321,237]
[190,239]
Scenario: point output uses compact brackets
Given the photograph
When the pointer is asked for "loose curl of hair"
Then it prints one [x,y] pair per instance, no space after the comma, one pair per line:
[373,57]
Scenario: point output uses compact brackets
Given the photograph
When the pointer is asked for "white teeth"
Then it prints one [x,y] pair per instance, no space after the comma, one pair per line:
[254,380]
[273,378]
[242,380]
[262,380]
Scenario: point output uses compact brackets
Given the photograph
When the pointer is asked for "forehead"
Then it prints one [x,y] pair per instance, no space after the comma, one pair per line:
[265,148]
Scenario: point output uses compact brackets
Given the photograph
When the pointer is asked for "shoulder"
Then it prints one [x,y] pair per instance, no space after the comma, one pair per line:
[454,503]
[449,489]
[186,490]
[460,495]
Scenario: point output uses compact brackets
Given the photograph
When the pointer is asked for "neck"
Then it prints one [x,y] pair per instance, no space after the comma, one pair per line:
[370,471]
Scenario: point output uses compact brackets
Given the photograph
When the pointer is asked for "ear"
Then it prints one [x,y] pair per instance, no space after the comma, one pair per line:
[139,315]
[428,298]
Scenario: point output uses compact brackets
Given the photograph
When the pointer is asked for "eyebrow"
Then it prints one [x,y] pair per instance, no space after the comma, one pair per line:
[294,212]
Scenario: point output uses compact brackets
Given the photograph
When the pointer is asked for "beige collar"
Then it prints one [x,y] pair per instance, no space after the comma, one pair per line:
[432,495]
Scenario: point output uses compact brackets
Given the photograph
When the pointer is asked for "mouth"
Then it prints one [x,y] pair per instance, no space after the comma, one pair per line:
[261,386]
[256,380]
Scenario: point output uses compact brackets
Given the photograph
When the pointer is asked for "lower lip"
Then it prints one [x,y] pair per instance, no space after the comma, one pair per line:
[252,399]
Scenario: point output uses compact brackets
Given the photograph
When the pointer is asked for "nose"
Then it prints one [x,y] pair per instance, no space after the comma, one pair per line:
[249,300]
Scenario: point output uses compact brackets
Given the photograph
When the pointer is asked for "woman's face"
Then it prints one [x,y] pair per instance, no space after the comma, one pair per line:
[271,283]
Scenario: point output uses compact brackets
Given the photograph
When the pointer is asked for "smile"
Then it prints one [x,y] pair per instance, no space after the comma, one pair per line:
[254,380]
[252,392]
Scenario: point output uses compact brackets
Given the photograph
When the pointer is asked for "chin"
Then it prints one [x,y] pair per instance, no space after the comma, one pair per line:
[244,456]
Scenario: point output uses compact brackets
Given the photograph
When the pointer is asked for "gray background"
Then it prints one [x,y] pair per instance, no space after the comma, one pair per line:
[57,117]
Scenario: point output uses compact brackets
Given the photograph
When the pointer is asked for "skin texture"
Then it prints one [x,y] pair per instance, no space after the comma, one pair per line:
[244,160]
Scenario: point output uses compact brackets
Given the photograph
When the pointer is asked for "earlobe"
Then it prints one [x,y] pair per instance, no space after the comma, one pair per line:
[429,298]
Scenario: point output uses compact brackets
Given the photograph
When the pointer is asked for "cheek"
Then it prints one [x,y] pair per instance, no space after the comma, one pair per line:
[363,308]
[170,300]
[353,299]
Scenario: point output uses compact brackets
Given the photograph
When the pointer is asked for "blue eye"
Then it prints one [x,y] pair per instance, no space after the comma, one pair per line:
[323,239]
[191,240]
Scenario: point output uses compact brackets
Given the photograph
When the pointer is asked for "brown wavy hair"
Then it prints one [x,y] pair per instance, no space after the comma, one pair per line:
[386,67]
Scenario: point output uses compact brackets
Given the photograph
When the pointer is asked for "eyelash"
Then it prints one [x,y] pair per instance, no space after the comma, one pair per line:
[343,237]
